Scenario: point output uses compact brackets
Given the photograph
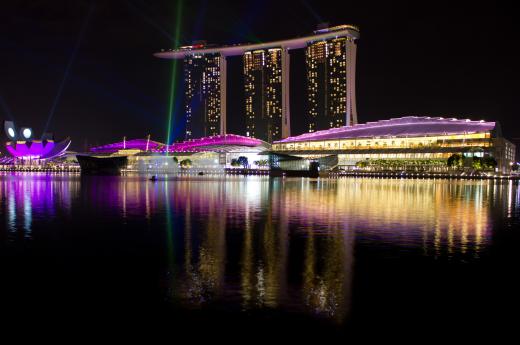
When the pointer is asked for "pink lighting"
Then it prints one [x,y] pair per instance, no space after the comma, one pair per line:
[398,127]
[203,144]
[195,145]
[134,144]
[37,149]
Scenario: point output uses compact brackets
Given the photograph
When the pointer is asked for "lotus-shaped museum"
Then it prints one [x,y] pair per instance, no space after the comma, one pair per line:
[22,145]
[37,149]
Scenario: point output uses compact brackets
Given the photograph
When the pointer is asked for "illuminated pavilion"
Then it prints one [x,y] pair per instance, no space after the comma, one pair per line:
[211,153]
[405,139]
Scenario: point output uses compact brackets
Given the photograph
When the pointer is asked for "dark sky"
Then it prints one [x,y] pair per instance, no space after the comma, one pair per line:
[431,59]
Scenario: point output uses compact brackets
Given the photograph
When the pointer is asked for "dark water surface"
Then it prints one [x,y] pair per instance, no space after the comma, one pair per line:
[251,254]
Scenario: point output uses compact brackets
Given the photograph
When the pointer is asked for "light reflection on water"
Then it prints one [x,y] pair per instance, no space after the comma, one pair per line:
[256,243]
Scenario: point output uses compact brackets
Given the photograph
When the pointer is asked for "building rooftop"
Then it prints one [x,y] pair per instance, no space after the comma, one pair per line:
[239,49]
[398,127]
[37,149]
[218,143]
[133,144]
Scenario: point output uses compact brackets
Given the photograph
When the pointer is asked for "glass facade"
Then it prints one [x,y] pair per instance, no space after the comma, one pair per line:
[202,95]
[377,143]
[263,94]
[401,152]
[327,85]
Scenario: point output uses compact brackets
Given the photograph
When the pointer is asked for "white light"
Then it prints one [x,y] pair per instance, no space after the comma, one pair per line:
[10,131]
[27,133]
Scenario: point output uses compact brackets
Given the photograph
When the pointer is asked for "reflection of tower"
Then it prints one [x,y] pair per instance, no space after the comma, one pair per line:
[204,265]
[327,273]
[202,76]
[331,68]
[263,91]
[212,253]
[264,256]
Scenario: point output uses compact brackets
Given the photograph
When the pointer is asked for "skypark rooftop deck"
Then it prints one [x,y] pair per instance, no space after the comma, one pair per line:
[239,49]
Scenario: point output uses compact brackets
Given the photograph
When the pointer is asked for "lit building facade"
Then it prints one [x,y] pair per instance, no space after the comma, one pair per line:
[267,84]
[331,83]
[209,154]
[202,74]
[25,149]
[407,141]
[263,93]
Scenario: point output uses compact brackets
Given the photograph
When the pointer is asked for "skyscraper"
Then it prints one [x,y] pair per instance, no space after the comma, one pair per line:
[202,95]
[331,63]
[331,83]
[263,93]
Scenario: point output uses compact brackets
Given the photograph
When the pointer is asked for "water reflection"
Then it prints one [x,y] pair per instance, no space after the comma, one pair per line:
[255,243]
[27,198]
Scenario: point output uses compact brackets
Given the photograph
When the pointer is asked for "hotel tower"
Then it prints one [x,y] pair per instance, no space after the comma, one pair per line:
[331,68]
[331,64]
[263,94]
[202,95]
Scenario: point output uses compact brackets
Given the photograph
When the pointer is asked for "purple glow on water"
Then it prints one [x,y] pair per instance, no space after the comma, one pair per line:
[291,247]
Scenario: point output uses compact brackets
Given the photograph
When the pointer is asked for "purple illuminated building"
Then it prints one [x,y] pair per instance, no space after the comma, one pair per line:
[411,126]
[22,146]
[37,149]
[402,142]
[134,144]
[218,143]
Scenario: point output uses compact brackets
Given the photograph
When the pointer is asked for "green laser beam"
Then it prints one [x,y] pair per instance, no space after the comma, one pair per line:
[69,65]
[173,88]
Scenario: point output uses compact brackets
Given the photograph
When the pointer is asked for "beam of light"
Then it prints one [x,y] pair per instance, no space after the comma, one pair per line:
[315,14]
[149,20]
[5,108]
[202,8]
[242,27]
[122,91]
[69,64]
[173,74]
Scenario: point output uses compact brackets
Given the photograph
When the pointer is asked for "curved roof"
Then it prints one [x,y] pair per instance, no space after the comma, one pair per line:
[218,143]
[37,149]
[239,49]
[133,144]
[398,127]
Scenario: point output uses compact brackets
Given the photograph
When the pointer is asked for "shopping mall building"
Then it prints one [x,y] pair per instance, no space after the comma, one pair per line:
[411,142]
[208,154]
[401,144]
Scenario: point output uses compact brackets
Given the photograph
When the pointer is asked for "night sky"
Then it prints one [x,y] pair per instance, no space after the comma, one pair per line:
[442,59]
